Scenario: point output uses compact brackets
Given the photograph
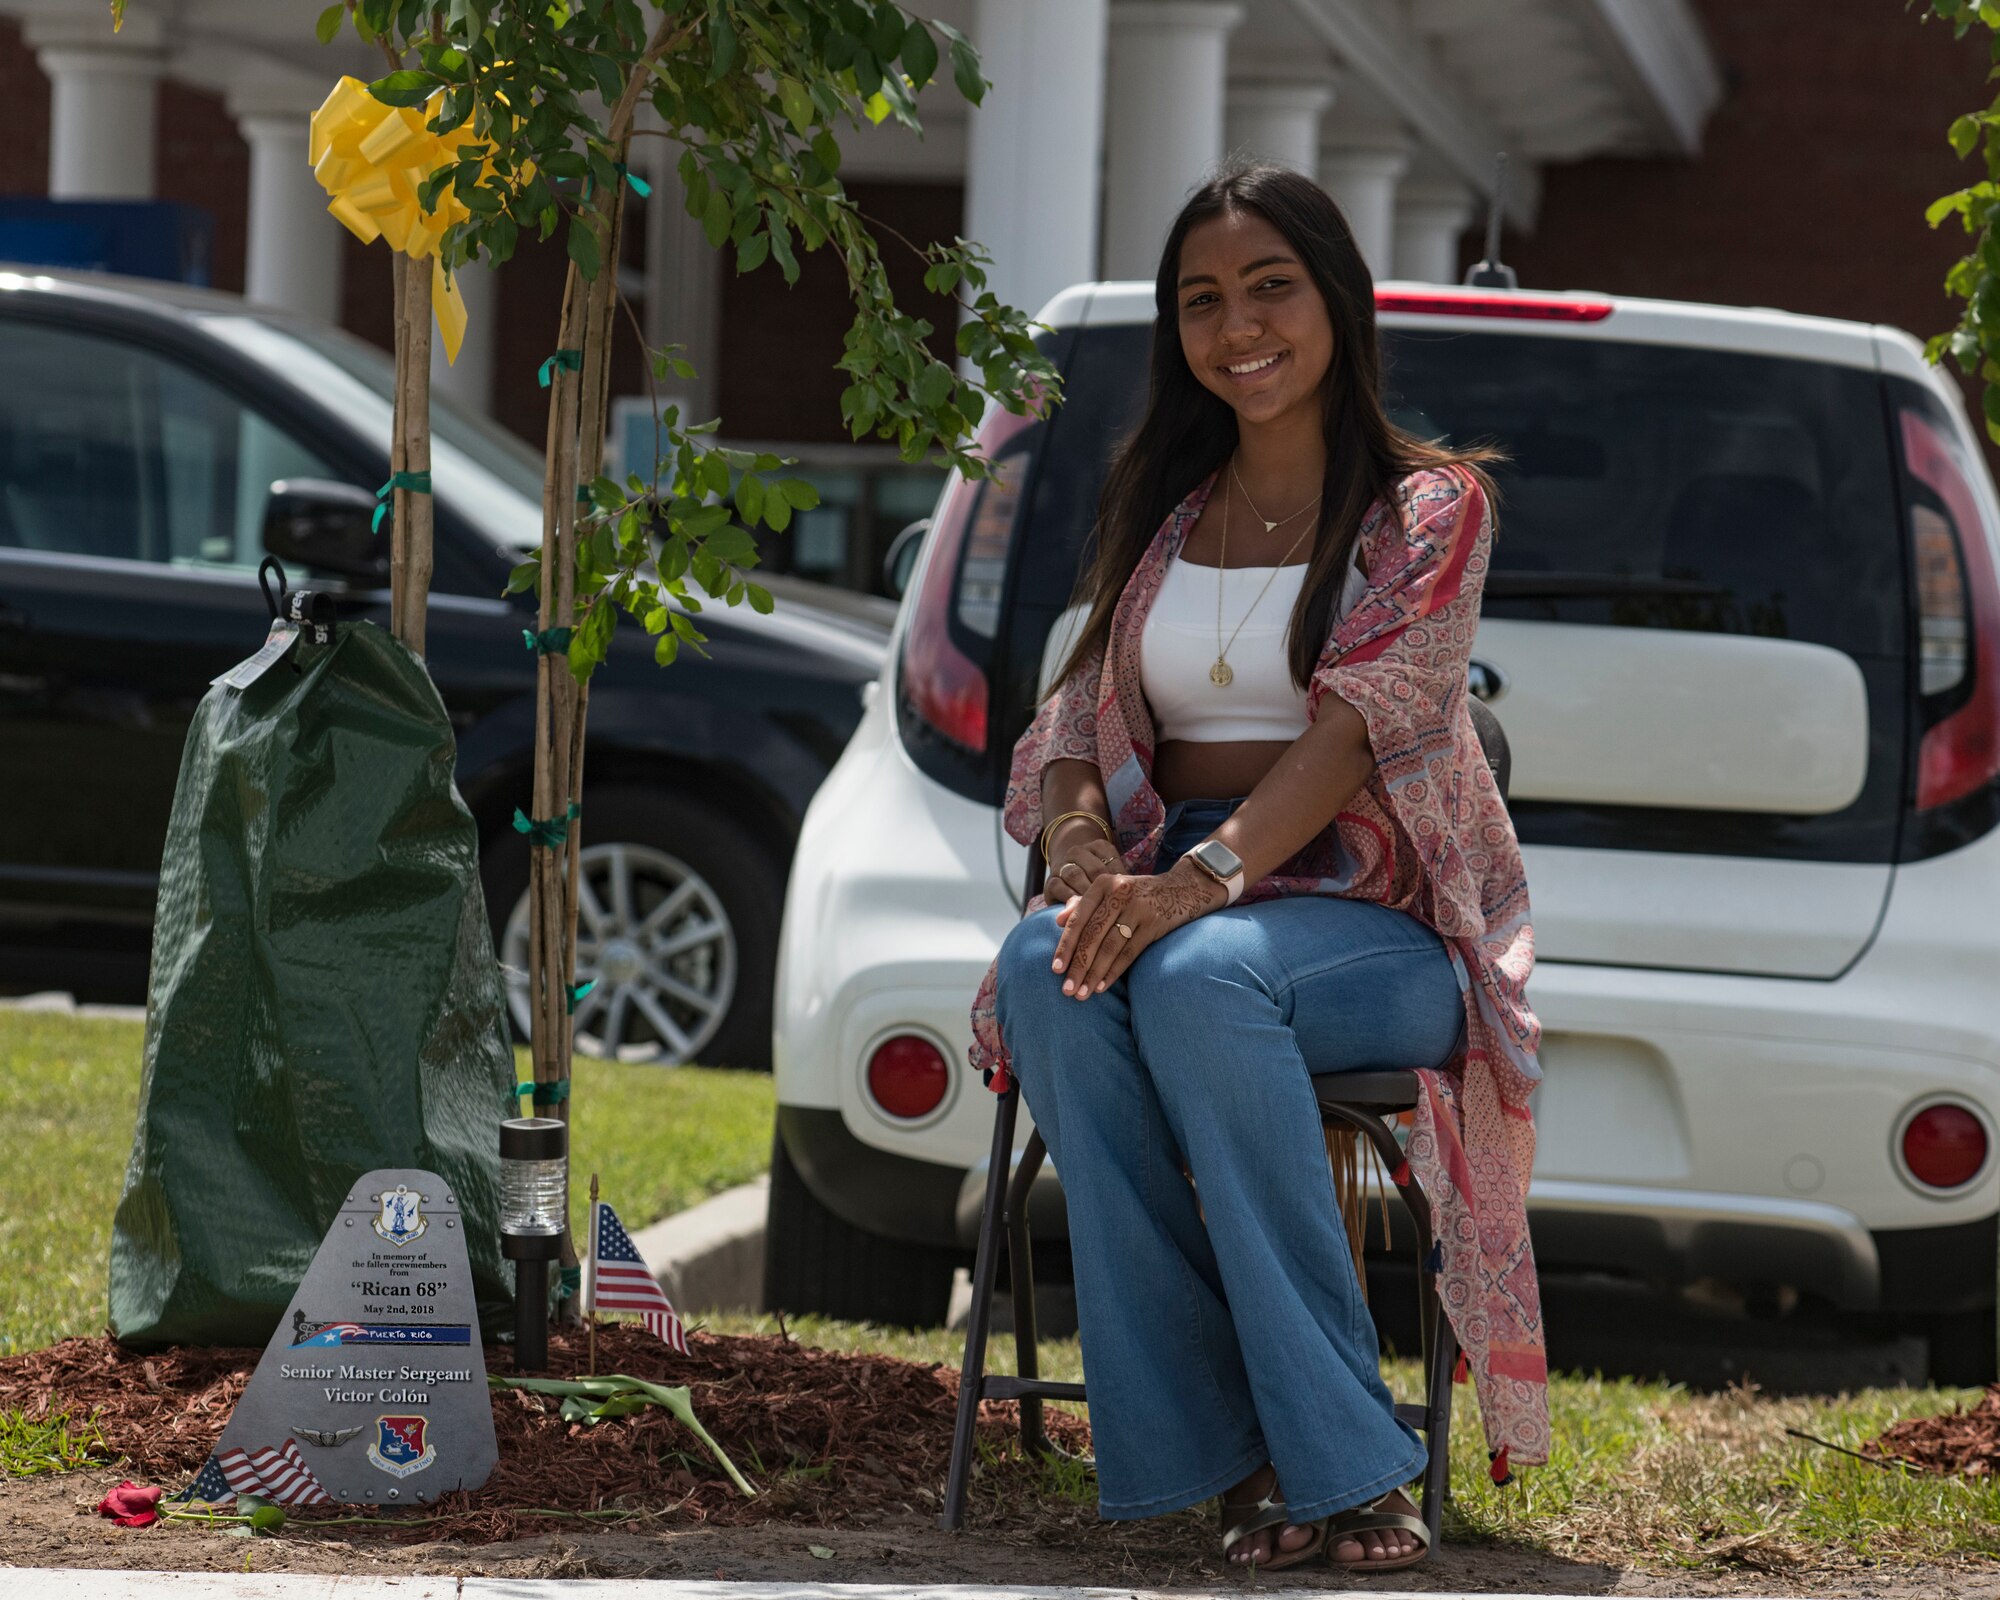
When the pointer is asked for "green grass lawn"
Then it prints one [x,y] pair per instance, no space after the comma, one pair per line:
[1641,1472]
[660,1139]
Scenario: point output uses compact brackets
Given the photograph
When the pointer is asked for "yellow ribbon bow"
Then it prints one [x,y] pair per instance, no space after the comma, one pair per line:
[371,158]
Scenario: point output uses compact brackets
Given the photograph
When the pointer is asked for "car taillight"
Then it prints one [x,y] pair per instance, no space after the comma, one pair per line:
[1944,1146]
[1958,618]
[907,1076]
[963,572]
[1487,303]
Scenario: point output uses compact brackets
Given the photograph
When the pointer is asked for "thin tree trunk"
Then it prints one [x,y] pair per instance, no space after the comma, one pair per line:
[578,406]
[410,451]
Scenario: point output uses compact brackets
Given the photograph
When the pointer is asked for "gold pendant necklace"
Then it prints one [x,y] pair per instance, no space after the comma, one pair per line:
[1222,674]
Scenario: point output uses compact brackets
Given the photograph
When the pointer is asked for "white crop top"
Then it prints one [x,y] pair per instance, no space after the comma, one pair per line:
[1178,648]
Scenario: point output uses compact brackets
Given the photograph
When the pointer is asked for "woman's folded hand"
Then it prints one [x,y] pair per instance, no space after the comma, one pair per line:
[1107,924]
[1075,870]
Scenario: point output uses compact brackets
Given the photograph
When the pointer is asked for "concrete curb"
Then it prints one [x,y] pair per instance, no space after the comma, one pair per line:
[27,1583]
[55,1002]
[711,1256]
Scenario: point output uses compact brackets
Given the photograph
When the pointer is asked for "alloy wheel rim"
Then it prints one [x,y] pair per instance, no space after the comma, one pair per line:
[655,940]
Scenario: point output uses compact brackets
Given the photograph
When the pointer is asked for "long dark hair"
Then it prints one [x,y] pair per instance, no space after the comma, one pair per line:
[1189,431]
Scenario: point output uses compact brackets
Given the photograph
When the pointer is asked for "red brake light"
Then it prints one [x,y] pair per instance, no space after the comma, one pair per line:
[1961,751]
[1944,1146]
[907,1076]
[1487,303]
[941,684]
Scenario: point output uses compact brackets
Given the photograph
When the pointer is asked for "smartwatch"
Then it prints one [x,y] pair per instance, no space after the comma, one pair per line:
[1222,864]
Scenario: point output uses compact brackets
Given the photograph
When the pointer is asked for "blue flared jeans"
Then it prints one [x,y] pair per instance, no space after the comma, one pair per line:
[1222,1323]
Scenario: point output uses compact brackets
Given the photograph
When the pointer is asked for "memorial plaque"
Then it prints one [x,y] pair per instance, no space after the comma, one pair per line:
[373,1390]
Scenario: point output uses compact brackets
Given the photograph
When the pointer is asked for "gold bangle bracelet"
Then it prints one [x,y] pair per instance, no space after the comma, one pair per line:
[1070,816]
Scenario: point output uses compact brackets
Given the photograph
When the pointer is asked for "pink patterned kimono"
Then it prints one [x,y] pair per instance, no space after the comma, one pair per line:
[1428,834]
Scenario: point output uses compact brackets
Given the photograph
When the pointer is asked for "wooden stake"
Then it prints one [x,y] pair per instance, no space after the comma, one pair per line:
[590,1310]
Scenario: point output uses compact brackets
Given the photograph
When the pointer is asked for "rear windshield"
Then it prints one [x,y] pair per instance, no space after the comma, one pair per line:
[1647,486]
[1654,486]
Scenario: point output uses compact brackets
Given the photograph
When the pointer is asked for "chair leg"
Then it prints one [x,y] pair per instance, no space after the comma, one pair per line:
[1441,1352]
[1021,1278]
[1439,1423]
[985,1265]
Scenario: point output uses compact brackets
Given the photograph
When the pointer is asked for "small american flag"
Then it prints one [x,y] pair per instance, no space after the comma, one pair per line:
[620,1280]
[279,1475]
[210,1487]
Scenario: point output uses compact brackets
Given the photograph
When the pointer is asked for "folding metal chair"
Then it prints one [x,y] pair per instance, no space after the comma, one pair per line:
[1366,1102]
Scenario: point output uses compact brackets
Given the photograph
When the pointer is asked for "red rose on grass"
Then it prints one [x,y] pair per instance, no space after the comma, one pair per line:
[131,1505]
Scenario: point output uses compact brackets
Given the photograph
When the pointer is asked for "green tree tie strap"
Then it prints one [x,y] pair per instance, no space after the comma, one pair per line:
[549,642]
[546,1094]
[577,991]
[552,833]
[415,482]
[570,1283]
[640,186]
[561,361]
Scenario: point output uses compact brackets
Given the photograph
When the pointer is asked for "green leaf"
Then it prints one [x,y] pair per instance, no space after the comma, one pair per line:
[885,33]
[920,56]
[760,600]
[934,385]
[797,103]
[797,492]
[524,577]
[965,71]
[751,253]
[777,513]
[716,217]
[1964,134]
[583,247]
[405,88]
[723,43]
[876,107]
[327,29]
[750,498]
[666,649]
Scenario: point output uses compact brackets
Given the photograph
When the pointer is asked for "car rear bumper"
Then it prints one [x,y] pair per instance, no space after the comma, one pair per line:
[1661,1236]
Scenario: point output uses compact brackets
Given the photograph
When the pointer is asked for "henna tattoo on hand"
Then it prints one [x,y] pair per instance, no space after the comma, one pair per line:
[1179,899]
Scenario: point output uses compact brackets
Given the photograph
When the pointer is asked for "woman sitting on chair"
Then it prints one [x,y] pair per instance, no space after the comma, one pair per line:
[1281,607]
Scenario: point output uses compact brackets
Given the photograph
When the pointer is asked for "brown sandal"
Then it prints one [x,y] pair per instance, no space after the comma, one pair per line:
[1372,1519]
[1254,1516]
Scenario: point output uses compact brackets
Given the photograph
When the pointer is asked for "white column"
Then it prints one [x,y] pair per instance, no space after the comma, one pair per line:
[683,284]
[469,381]
[292,255]
[102,101]
[1277,122]
[1363,184]
[1431,215]
[1163,120]
[1034,158]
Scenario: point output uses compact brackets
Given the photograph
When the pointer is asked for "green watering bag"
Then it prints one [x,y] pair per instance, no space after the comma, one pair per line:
[324,997]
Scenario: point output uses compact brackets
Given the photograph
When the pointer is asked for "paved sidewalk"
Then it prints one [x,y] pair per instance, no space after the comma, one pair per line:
[18,1583]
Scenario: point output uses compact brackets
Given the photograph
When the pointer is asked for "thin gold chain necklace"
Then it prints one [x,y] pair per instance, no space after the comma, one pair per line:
[1222,674]
[1269,525]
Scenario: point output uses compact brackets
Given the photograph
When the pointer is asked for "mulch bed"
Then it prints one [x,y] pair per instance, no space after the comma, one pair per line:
[1965,1443]
[826,1438]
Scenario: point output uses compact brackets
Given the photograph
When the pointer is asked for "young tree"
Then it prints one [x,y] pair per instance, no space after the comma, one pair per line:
[755,94]
[1975,277]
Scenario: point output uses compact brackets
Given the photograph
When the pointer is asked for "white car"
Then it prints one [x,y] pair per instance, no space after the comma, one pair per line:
[1743,632]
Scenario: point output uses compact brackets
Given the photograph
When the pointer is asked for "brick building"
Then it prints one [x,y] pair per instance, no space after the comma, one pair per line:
[1778,154]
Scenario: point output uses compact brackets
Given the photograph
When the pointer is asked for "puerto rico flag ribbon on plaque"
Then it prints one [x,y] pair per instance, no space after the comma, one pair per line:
[620,1280]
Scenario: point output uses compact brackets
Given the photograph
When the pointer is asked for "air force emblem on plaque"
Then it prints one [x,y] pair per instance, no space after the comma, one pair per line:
[400,1447]
[401,1220]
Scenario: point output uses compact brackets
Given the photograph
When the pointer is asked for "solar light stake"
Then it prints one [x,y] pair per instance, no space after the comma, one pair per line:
[534,1188]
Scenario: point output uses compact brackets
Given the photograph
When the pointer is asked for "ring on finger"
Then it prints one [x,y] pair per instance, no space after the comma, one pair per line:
[1123,931]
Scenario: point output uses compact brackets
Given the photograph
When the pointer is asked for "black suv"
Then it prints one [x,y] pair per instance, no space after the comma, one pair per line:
[143,428]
